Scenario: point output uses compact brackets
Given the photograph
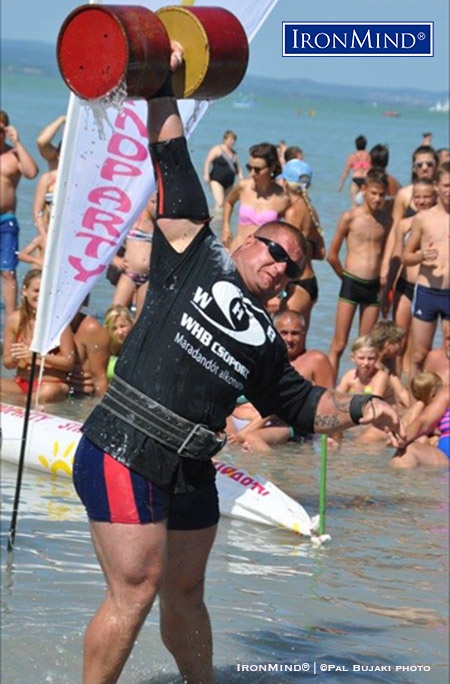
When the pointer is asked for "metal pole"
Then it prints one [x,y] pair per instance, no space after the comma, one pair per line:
[12,527]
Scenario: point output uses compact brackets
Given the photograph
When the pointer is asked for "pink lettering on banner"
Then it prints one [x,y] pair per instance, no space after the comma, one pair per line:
[114,167]
[241,477]
[18,412]
[93,216]
[111,194]
[83,273]
[128,114]
[71,426]
[95,241]
[109,204]
[115,147]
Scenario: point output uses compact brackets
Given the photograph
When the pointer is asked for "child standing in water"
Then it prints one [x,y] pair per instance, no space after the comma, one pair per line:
[364,231]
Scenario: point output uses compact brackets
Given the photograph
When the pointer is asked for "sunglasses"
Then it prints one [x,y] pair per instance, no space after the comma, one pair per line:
[428,164]
[256,169]
[279,254]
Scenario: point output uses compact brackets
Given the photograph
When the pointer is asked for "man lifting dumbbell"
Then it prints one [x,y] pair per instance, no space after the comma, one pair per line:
[143,467]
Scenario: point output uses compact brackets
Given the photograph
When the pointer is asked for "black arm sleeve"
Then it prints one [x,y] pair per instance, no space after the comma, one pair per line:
[180,193]
[290,397]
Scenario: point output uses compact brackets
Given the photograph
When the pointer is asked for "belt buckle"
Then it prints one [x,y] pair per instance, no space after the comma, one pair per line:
[190,436]
[221,441]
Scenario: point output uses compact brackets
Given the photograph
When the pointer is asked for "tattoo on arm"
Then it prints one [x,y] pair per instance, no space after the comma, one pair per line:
[332,419]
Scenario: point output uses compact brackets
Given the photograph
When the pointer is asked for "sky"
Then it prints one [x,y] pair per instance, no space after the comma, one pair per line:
[21,20]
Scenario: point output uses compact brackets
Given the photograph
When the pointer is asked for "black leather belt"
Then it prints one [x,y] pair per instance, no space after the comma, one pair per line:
[188,439]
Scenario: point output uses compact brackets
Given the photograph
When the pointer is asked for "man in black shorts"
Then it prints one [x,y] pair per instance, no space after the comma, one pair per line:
[143,467]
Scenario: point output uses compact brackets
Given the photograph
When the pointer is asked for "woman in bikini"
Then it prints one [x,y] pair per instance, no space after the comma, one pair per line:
[133,282]
[33,254]
[303,293]
[50,383]
[261,198]
[221,168]
[43,200]
[359,163]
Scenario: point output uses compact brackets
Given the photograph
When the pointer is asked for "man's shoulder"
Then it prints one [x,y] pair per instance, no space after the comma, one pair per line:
[309,358]
[89,326]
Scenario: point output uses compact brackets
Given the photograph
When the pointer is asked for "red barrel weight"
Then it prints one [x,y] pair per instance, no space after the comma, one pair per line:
[101,47]
[215,50]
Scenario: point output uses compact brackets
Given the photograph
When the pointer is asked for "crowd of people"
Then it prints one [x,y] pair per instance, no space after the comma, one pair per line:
[216,348]
[395,274]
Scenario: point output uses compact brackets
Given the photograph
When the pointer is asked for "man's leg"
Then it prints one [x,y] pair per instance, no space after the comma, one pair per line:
[9,285]
[132,559]
[344,318]
[422,341]
[368,318]
[218,194]
[185,625]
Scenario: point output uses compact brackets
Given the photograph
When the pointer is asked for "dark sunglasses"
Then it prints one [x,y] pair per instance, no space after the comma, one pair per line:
[428,164]
[279,254]
[256,169]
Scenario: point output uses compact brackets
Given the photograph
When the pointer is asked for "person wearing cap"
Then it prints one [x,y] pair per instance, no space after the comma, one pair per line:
[303,292]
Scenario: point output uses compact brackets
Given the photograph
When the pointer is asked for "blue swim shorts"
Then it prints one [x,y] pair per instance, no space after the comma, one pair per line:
[444,444]
[113,493]
[430,302]
[9,242]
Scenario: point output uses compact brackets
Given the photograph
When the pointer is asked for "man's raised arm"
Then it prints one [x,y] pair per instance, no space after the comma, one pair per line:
[182,208]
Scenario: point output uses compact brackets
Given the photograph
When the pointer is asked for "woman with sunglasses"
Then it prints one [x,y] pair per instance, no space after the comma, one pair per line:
[261,198]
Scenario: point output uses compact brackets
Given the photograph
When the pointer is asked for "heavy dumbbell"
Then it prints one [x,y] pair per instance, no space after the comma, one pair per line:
[101,48]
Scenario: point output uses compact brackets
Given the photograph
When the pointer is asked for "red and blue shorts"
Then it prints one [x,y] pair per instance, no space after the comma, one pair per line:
[113,493]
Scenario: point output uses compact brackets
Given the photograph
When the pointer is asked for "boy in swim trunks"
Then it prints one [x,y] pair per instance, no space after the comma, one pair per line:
[428,246]
[364,230]
[15,163]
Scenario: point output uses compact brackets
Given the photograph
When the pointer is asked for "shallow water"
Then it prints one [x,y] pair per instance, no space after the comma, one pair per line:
[375,595]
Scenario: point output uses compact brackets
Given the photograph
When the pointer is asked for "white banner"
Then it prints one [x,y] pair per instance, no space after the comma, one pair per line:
[104,180]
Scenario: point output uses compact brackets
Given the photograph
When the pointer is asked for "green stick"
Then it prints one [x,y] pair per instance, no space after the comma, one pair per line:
[323,483]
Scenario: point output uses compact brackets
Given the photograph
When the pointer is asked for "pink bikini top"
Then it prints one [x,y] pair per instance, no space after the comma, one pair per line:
[249,217]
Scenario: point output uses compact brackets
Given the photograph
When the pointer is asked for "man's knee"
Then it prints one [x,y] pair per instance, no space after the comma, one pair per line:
[419,354]
[338,345]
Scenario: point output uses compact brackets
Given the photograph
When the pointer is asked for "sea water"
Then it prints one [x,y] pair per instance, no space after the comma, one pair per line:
[369,606]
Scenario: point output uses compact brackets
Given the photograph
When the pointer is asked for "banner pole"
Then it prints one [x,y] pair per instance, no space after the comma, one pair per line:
[12,527]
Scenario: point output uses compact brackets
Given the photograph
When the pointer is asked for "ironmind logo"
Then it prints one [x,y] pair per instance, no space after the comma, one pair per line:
[358,39]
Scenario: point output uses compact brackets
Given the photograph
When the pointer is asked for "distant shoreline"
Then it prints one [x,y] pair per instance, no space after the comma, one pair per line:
[38,59]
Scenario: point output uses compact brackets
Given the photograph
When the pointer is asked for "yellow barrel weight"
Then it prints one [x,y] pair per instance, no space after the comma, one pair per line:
[182,26]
